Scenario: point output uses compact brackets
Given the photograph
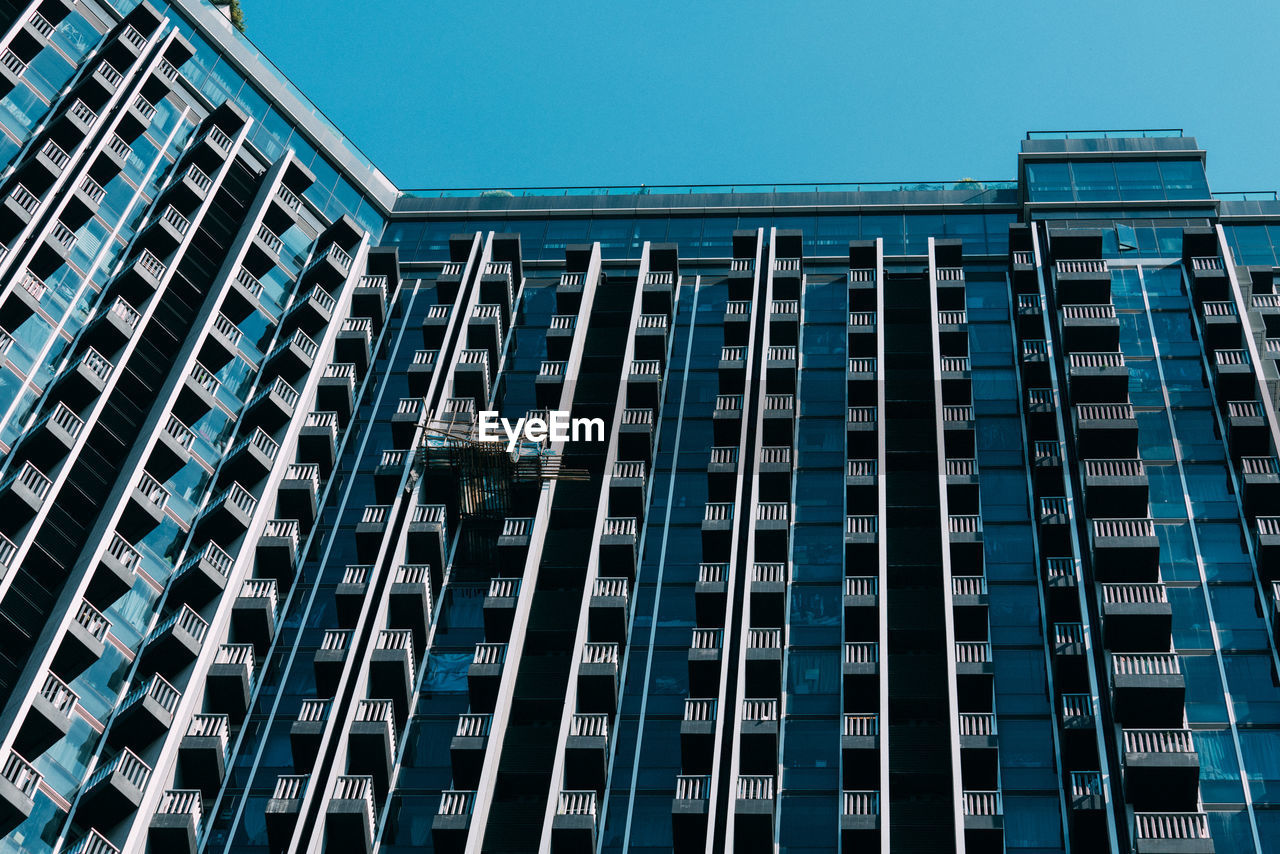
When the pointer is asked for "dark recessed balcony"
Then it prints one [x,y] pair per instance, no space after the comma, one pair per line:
[420,371]
[172,449]
[1082,281]
[176,822]
[83,643]
[1220,324]
[975,674]
[1106,431]
[957,381]
[1070,662]
[354,343]
[254,613]
[732,369]
[607,612]
[471,377]
[299,494]
[717,530]
[1209,278]
[349,597]
[405,421]
[1116,488]
[351,816]
[18,782]
[176,642]
[114,791]
[318,440]
[658,290]
[369,299]
[969,606]
[697,735]
[953,332]
[861,375]
[1079,731]
[111,326]
[1247,431]
[618,547]
[328,268]
[1035,363]
[500,607]
[48,718]
[370,531]
[336,390]
[22,495]
[983,822]
[435,325]
[689,809]
[202,753]
[292,357]
[428,534]
[704,657]
[276,552]
[140,279]
[964,538]
[198,395]
[726,420]
[573,827]
[1098,377]
[598,678]
[452,822]
[145,715]
[780,370]
[307,731]
[144,510]
[1234,375]
[409,601]
[860,747]
[737,322]
[861,542]
[230,680]
[1260,486]
[272,407]
[958,432]
[861,671]
[861,432]
[391,670]
[1136,617]
[311,313]
[226,517]
[281,811]
[772,530]
[466,750]
[979,749]
[650,338]
[202,576]
[787,274]
[644,384]
[709,594]
[1126,550]
[1090,328]
[1161,769]
[82,381]
[758,733]
[513,545]
[860,819]
[586,752]
[1062,581]
[371,745]
[1148,689]
[753,812]
[861,605]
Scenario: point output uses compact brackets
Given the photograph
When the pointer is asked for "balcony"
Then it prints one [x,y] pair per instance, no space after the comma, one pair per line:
[1035,362]
[644,384]
[82,381]
[370,531]
[202,752]
[608,610]
[983,822]
[114,791]
[281,811]
[226,516]
[499,608]
[703,661]
[276,551]
[50,439]
[176,642]
[48,718]
[1161,769]
[272,407]
[1082,281]
[254,613]
[405,421]
[409,601]
[689,810]
[202,576]
[144,715]
[1090,328]
[1220,324]
[861,605]
[861,671]
[1106,431]
[860,819]
[466,750]
[471,376]
[979,749]
[336,390]
[175,826]
[299,493]
[1260,486]
[351,816]
[1042,414]
[111,326]
[958,432]
[307,732]
[83,643]
[709,594]
[861,375]
[1116,488]
[428,538]
[758,735]
[371,745]
[354,343]
[144,510]
[717,530]
[1136,617]
[587,751]
[862,432]
[1079,730]
[780,370]
[1247,432]
[198,395]
[964,538]
[1070,657]
[650,336]
[737,322]
[768,593]
[392,668]
[420,370]
[726,420]
[697,735]
[1062,580]
[598,678]
[573,828]
[1098,378]
[292,357]
[969,606]
[1208,277]
[513,545]
[975,674]
[1126,550]
[318,440]
[618,547]
[369,299]
[435,324]
[1172,833]
[772,530]
[753,812]
[1234,375]
[1148,689]
[659,285]
[172,449]
[452,822]
[18,782]
[230,680]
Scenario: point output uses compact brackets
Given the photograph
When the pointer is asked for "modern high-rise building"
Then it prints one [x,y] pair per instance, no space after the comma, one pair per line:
[856,517]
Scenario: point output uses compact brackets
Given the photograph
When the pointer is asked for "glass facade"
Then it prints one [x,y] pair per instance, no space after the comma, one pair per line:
[892,517]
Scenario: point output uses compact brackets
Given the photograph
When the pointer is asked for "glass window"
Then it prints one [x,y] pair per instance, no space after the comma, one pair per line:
[1095,182]
[1184,179]
[1139,179]
[1049,182]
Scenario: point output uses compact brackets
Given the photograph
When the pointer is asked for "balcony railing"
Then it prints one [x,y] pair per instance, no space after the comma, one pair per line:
[860,802]
[1171,825]
[1158,741]
[1082,266]
[576,803]
[1146,664]
[983,803]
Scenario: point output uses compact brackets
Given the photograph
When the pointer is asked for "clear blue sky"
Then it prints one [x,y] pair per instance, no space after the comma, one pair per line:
[558,93]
